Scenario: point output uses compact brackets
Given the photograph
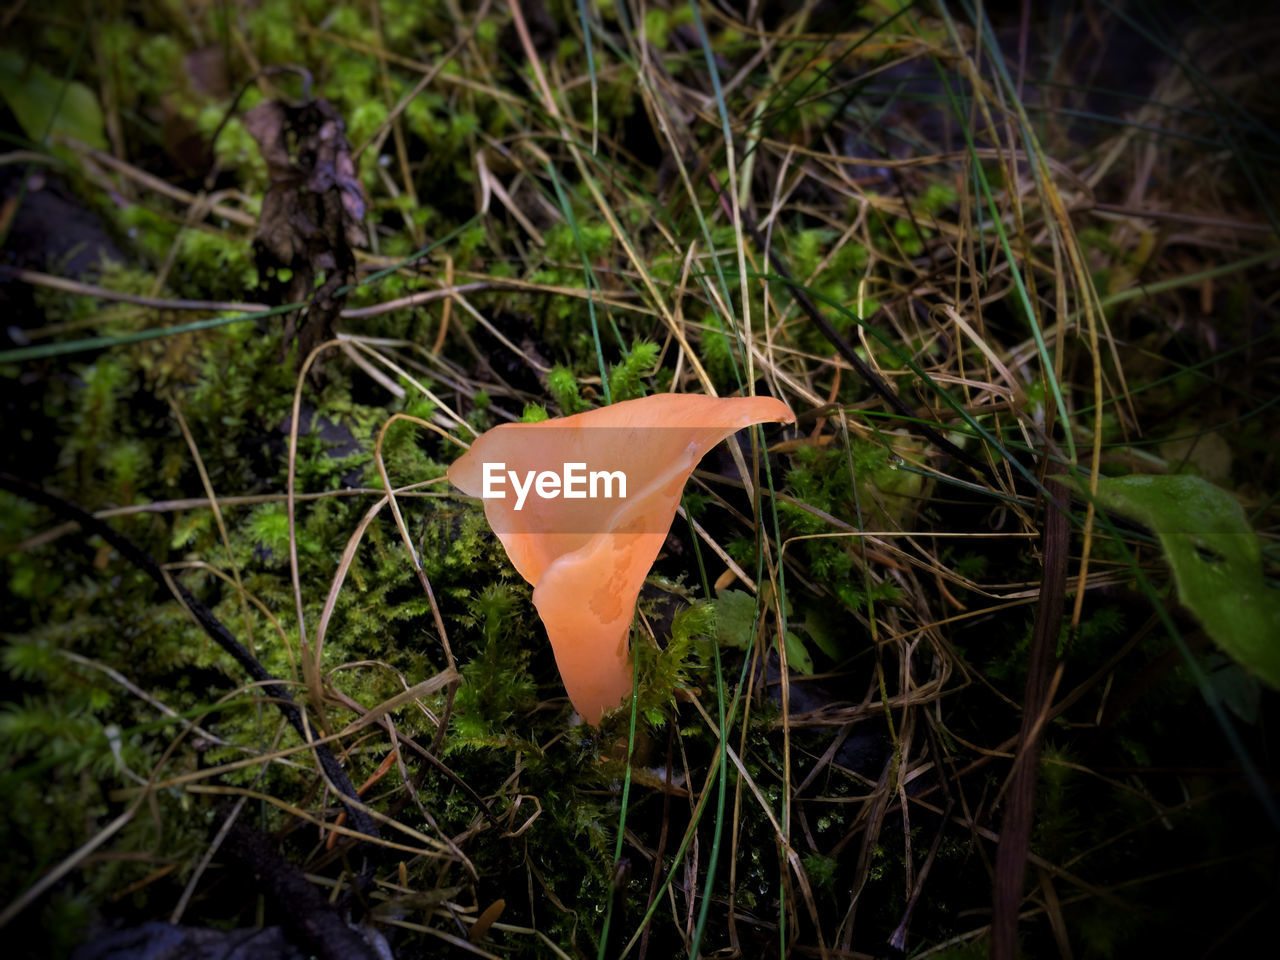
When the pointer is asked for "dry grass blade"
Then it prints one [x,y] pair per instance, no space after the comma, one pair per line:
[1015,832]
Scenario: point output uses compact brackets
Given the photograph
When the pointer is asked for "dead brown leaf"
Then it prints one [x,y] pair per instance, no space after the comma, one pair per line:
[311,214]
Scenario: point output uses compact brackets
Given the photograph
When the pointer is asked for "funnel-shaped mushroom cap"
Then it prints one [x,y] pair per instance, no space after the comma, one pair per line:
[582,505]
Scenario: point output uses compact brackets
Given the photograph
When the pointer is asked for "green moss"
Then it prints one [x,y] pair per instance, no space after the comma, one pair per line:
[497,686]
[563,386]
[626,378]
[687,654]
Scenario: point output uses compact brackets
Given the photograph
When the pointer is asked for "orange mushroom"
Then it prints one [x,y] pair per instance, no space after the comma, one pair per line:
[582,505]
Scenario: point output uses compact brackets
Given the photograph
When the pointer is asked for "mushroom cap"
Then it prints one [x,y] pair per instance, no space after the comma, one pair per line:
[587,557]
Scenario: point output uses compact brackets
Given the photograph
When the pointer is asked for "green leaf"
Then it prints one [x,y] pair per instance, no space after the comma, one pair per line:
[32,93]
[735,618]
[1216,561]
[1235,687]
[798,658]
[823,635]
[735,626]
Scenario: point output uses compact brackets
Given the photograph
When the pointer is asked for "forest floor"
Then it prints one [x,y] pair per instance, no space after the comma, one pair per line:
[977,657]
